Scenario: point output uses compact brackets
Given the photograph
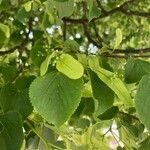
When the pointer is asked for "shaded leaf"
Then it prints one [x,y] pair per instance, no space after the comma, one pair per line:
[109,114]
[11,137]
[142,100]
[102,93]
[135,69]
[12,100]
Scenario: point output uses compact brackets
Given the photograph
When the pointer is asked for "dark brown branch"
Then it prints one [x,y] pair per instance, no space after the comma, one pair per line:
[111,55]
[101,7]
[64,30]
[131,51]
[117,53]
[135,13]
[75,21]
[2,53]
[122,8]
[89,37]
[24,42]
[96,32]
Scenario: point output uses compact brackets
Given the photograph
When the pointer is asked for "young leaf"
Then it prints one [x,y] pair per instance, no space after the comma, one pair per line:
[5,29]
[45,64]
[70,67]
[118,38]
[55,96]
[142,100]
[28,6]
[4,33]
[112,81]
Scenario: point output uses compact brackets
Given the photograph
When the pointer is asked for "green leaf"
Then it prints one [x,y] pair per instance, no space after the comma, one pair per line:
[118,38]
[86,107]
[28,6]
[22,15]
[12,100]
[70,66]
[55,96]
[4,33]
[14,2]
[87,91]
[38,53]
[4,5]
[45,64]
[65,9]
[142,100]
[94,11]
[11,136]
[102,93]
[145,145]
[70,45]
[47,21]
[24,82]
[109,114]
[8,72]
[135,69]
[5,29]
[112,81]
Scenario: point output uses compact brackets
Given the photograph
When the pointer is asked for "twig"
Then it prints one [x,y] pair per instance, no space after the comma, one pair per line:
[24,42]
[101,7]
[64,30]
[96,32]
[43,140]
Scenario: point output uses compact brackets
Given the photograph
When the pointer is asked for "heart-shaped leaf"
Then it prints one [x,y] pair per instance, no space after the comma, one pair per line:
[55,96]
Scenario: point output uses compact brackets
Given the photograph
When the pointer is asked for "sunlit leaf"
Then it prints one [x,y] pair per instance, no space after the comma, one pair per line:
[70,66]
[56,95]
[112,81]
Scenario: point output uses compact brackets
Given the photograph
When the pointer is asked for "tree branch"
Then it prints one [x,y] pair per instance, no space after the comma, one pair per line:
[24,42]
[121,9]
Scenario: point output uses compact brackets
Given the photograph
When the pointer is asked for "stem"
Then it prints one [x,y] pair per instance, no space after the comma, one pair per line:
[43,140]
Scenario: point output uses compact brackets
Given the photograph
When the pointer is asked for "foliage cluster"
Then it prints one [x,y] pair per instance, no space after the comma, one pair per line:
[74,74]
